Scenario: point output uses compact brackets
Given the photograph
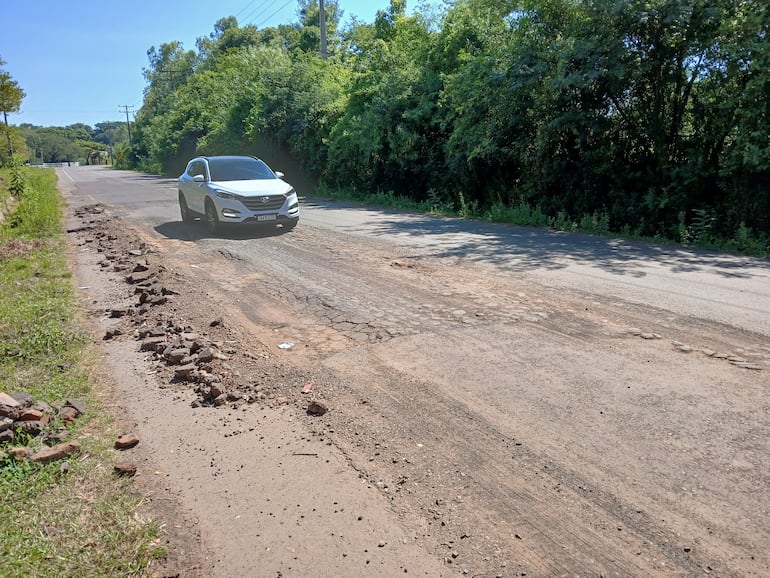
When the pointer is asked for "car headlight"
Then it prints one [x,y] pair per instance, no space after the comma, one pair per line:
[226,195]
[290,192]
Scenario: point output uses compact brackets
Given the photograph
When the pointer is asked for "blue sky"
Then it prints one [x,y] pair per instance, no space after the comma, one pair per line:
[81,62]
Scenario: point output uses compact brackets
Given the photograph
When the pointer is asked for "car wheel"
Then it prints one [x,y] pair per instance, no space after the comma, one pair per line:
[288,226]
[184,210]
[212,222]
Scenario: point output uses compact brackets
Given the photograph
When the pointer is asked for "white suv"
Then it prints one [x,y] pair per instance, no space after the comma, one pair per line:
[236,189]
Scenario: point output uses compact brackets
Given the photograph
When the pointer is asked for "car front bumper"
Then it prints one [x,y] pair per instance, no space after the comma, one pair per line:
[235,211]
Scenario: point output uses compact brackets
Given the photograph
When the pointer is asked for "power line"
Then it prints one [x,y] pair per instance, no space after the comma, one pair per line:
[266,20]
[262,7]
[242,10]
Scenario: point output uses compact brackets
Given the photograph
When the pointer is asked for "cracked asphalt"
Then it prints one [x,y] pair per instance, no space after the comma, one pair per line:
[524,402]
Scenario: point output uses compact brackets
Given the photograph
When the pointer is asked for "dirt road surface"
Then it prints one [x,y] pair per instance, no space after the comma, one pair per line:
[499,401]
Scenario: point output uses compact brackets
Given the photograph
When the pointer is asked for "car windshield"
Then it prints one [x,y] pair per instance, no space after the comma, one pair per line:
[239,169]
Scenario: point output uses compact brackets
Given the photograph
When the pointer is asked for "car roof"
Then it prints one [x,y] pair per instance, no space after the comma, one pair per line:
[227,157]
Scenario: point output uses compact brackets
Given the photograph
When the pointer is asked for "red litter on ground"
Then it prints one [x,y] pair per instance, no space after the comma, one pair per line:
[308,387]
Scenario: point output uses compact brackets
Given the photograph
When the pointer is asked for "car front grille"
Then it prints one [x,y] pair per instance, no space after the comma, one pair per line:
[264,203]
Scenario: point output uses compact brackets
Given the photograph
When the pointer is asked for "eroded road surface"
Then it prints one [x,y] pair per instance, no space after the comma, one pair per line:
[501,401]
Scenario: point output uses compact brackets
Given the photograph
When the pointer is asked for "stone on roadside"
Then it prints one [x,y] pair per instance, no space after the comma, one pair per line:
[649,336]
[110,333]
[185,372]
[30,427]
[68,414]
[31,414]
[125,468]
[8,400]
[152,343]
[142,277]
[126,441]
[317,408]
[57,452]
[176,355]
[205,355]
[217,389]
[77,404]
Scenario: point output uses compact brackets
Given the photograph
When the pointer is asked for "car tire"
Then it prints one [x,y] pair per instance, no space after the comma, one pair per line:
[212,221]
[184,210]
[288,226]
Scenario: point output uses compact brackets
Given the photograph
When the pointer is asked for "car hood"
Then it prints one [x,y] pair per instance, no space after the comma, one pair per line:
[254,188]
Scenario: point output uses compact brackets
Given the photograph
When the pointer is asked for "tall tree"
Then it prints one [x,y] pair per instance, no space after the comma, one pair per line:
[11,96]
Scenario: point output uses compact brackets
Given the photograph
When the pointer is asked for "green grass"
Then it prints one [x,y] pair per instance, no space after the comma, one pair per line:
[82,522]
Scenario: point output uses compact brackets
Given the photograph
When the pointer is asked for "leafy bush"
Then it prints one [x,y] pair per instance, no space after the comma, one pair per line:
[520,213]
[38,214]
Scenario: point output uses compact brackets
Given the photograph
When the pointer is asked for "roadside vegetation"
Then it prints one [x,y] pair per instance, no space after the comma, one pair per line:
[697,234]
[58,519]
[648,120]
[643,119]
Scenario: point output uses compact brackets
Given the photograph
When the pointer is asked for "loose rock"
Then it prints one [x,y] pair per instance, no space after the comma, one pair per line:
[317,408]
[126,441]
[56,452]
[125,468]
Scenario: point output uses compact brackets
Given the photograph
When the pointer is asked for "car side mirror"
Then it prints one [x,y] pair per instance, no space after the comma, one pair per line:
[199,178]
[279,174]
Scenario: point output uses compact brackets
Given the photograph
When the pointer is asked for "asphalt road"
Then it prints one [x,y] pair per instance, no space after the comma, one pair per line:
[727,289]
[542,402]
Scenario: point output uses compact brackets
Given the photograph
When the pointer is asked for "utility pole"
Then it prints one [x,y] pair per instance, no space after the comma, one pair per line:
[125,108]
[322,24]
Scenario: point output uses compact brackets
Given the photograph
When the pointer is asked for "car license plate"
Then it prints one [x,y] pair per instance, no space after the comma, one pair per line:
[265,217]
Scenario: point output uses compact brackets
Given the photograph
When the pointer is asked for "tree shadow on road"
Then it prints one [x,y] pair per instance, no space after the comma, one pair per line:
[517,248]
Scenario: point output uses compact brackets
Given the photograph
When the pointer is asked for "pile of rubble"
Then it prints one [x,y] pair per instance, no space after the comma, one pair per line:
[193,360]
[187,356]
[25,422]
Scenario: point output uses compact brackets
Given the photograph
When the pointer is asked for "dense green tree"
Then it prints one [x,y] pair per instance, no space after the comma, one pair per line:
[53,144]
[110,133]
[170,66]
[387,139]
[297,107]
[309,26]
[11,96]
[653,114]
